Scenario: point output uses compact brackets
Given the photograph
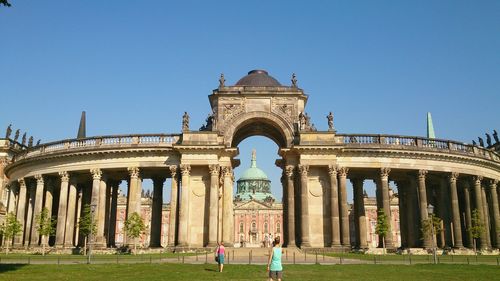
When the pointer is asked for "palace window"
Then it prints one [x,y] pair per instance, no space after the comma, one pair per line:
[254,227]
[241,227]
[278,227]
[266,229]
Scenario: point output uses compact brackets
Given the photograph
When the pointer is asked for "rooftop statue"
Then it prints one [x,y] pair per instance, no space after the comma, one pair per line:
[495,136]
[9,131]
[30,142]
[16,135]
[23,141]
[329,117]
[488,139]
[481,142]
[185,122]
[38,142]
[222,81]
[294,80]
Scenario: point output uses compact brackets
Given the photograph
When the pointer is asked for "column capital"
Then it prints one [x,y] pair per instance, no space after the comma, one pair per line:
[185,169]
[343,171]
[477,179]
[493,183]
[64,176]
[133,172]
[158,179]
[173,170]
[453,177]
[332,170]
[21,182]
[289,169]
[384,172]
[303,169]
[96,173]
[214,169]
[39,179]
[227,171]
[422,174]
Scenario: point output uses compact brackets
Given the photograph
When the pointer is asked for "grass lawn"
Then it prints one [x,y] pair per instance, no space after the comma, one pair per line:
[246,272]
[489,259]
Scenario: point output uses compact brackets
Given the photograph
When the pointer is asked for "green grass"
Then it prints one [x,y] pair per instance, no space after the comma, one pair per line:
[418,258]
[246,272]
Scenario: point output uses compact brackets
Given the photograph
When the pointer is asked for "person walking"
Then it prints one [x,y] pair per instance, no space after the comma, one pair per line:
[274,266]
[219,255]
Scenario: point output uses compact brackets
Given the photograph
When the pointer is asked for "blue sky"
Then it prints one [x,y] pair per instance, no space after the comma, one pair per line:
[135,67]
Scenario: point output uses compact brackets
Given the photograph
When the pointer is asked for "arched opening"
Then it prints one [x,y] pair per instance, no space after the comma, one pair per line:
[259,127]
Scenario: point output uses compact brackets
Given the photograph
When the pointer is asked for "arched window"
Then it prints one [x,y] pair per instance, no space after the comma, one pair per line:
[254,226]
[266,228]
[278,227]
[241,227]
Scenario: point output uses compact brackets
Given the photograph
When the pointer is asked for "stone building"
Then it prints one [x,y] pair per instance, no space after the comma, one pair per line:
[62,176]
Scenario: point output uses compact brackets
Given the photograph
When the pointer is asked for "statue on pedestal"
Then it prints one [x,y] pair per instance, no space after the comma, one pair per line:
[23,141]
[488,139]
[16,135]
[294,80]
[481,142]
[222,81]
[30,142]
[329,117]
[495,136]
[9,131]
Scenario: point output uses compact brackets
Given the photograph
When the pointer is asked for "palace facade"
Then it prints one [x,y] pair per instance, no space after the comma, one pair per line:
[456,178]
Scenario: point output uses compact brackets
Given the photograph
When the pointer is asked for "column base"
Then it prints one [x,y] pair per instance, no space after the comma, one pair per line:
[211,244]
[305,245]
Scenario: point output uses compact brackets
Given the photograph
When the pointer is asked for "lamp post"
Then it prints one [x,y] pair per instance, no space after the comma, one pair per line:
[430,210]
[93,207]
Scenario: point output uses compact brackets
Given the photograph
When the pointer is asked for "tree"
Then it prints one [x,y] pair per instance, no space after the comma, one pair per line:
[5,3]
[86,225]
[431,227]
[10,229]
[45,227]
[382,226]
[476,228]
[134,227]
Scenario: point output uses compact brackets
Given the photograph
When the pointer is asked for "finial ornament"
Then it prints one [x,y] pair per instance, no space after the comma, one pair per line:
[222,81]
[294,80]
[185,122]
[9,131]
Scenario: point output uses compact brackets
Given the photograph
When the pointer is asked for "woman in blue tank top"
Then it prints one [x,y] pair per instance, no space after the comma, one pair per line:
[274,264]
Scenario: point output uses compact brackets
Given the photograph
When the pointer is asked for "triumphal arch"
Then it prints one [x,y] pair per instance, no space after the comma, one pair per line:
[457,178]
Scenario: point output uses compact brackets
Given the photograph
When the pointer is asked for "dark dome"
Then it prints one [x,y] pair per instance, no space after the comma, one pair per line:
[259,78]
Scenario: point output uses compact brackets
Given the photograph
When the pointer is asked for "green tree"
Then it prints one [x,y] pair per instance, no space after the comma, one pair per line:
[382,227]
[86,225]
[476,228]
[45,226]
[431,225]
[10,229]
[5,3]
[134,227]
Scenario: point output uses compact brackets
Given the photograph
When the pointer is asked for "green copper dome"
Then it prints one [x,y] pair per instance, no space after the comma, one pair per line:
[254,184]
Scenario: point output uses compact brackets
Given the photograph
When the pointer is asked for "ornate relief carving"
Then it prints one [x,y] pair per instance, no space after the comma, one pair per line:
[64,176]
[21,182]
[231,110]
[185,169]
[227,171]
[477,179]
[493,183]
[422,174]
[289,171]
[453,177]
[284,107]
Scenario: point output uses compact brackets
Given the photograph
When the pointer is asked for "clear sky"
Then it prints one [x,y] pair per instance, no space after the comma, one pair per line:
[136,66]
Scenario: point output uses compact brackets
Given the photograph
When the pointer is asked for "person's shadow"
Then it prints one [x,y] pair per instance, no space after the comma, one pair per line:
[211,269]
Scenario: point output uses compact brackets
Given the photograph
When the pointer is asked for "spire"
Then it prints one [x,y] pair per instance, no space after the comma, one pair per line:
[81,130]
[430,127]
[254,159]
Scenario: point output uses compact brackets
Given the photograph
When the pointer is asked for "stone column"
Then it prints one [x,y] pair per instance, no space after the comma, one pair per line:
[495,213]
[132,191]
[21,211]
[443,214]
[139,196]
[386,203]
[411,213]
[174,195]
[422,196]
[112,214]
[359,213]
[37,209]
[468,211]
[79,201]
[290,191]
[95,201]
[70,219]
[155,240]
[30,220]
[12,200]
[480,211]
[184,206]
[304,206]
[486,216]
[455,211]
[344,214]
[227,210]
[213,208]
[334,206]
[62,211]
[49,196]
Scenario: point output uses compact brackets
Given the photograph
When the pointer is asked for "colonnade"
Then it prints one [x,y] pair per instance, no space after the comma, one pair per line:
[453,195]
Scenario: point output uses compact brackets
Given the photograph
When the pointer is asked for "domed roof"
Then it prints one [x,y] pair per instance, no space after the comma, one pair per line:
[259,78]
[253,173]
